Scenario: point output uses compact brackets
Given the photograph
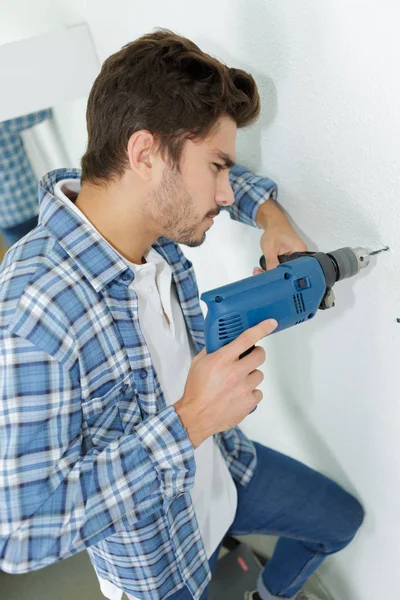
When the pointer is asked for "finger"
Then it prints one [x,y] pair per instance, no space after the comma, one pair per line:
[270,254]
[254,379]
[247,339]
[257,396]
[300,247]
[271,260]
[252,361]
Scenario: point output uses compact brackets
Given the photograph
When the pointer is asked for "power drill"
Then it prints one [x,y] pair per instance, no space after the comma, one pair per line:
[291,293]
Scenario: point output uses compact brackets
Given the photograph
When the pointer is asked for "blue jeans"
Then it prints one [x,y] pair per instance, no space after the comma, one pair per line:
[313,517]
[13,234]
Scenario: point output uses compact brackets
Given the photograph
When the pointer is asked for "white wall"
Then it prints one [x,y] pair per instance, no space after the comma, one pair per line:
[328,134]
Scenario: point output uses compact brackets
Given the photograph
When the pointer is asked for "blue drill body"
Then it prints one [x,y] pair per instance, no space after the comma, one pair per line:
[291,293]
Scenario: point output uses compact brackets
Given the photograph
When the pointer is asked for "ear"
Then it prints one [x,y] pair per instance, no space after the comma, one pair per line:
[140,153]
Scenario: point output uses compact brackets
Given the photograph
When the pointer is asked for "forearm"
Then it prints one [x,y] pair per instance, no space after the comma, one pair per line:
[270,214]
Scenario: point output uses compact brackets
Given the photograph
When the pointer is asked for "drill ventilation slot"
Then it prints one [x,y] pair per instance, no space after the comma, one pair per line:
[299,303]
[230,327]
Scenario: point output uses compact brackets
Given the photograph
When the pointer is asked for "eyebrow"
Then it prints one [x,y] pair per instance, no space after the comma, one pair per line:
[229,163]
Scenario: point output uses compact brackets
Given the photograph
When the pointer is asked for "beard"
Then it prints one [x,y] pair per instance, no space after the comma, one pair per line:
[172,211]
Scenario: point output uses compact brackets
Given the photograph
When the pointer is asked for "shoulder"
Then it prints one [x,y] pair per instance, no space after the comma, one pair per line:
[37,292]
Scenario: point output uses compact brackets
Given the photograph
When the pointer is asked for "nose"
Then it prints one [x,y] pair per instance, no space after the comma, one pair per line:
[224,194]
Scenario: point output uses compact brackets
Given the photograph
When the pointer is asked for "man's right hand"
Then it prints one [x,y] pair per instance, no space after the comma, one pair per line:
[220,390]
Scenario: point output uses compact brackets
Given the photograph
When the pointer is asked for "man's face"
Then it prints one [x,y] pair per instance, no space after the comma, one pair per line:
[183,205]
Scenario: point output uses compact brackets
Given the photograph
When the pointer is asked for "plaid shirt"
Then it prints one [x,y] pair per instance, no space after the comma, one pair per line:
[91,457]
[18,182]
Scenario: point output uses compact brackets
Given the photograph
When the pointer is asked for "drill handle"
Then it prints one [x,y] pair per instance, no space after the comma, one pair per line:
[246,352]
[283,258]
[242,356]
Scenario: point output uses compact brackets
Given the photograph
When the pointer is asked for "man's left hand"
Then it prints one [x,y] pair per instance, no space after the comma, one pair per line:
[278,238]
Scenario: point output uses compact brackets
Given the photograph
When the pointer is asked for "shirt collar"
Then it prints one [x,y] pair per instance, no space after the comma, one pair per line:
[100,263]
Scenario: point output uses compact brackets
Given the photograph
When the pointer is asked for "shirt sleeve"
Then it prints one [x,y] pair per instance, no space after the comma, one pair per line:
[250,192]
[59,494]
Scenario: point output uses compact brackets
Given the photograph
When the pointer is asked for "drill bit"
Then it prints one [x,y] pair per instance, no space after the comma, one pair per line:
[385,249]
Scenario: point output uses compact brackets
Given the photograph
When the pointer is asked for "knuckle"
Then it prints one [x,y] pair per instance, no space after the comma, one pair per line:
[232,379]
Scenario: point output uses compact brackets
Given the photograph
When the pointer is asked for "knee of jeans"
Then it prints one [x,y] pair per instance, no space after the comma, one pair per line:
[358,514]
[352,516]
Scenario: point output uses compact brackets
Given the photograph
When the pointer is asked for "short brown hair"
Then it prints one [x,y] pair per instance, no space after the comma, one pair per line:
[163,83]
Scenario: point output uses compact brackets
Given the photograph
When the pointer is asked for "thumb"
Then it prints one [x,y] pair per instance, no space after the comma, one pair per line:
[271,259]
[270,251]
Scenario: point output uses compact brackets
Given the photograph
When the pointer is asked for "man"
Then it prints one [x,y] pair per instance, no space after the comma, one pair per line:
[118,431]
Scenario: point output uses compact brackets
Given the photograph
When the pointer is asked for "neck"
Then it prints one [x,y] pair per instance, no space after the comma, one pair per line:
[118,218]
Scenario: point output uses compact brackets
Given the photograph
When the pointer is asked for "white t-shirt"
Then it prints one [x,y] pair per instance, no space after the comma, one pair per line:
[163,325]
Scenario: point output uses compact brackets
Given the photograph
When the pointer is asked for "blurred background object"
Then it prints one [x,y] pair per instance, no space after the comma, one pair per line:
[18,182]
[42,123]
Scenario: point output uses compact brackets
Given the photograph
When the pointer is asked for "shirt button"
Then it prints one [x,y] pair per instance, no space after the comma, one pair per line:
[143,373]
[131,313]
[123,388]
[126,277]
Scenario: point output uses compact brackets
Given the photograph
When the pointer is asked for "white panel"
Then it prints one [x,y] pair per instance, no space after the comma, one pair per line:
[46,70]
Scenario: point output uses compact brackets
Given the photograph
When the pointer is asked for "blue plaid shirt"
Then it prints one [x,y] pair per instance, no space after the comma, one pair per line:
[18,182]
[91,457]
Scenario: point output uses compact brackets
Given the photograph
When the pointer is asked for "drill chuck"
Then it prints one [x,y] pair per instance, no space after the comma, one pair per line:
[348,261]
[336,265]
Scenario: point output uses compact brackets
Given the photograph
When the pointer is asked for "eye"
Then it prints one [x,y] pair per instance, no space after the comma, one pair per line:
[219,167]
